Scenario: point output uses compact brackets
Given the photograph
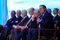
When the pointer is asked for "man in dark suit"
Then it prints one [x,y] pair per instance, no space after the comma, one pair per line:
[9,25]
[56,19]
[31,11]
[46,21]
[46,18]
[32,26]
[16,32]
[19,18]
[11,21]
[23,22]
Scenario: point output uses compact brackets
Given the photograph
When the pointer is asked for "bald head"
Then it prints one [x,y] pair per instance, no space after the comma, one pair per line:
[31,11]
[13,13]
[36,13]
[18,13]
[24,13]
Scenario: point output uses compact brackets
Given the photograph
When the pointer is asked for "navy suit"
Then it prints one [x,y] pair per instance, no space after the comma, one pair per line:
[16,32]
[10,23]
[18,20]
[46,22]
[57,22]
[25,31]
[33,30]
[7,30]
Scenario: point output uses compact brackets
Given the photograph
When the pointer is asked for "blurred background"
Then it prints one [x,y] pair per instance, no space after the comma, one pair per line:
[7,5]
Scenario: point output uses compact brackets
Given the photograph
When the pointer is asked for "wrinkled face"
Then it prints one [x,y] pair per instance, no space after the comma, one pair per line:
[55,11]
[24,13]
[18,12]
[41,9]
[13,14]
[36,14]
[31,11]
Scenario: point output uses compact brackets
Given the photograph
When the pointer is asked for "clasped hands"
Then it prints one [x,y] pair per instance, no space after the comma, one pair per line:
[19,27]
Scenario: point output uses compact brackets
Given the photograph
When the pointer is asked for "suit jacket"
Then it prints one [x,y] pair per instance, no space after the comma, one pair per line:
[57,20]
[33,24]
[18,20]
[10,23]
[46,21]
[24,22]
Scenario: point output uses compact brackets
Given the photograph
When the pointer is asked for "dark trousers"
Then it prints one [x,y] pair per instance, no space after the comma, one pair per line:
[15,34]
[32,34]
[24,34]
[46,33]
[58,34]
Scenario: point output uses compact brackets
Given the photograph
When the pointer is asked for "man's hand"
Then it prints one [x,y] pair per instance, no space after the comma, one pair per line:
[15,26]
[23,27]
[32,17]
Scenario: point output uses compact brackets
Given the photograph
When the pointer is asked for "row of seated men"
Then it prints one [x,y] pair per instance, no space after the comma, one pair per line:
[22,27]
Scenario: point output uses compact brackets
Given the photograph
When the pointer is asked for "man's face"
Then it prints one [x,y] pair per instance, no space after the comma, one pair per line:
[36,14]
[23,13]
[12,14]
[59,12]
[49,10]
[55,11]
[41,9]
[31,11]
[18,12]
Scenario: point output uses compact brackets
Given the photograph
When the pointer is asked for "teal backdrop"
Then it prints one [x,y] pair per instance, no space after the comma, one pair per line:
[3,12]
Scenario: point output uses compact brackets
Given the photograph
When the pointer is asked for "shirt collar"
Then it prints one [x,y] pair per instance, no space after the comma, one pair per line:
[23,17]
[55,15]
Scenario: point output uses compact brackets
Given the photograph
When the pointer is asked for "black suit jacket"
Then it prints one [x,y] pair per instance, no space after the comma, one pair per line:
[18,20]
[24,22]
[57,20]
[46,21]
[33,24]
[10,23]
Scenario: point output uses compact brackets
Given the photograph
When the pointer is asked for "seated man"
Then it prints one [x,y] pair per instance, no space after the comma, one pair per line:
[33,27]
[56,19]
[16,32]
[23,32]
[7,30]
[46,22]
